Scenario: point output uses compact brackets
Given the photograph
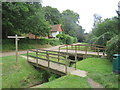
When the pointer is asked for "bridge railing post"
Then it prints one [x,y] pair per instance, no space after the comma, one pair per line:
[59,54]
[47,56]
[37,56]
[98,51]
[66,64]
[86,51]
[75,56]
[27,55]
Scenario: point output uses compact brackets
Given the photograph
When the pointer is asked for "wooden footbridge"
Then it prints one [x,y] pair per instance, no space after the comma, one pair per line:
[57,61]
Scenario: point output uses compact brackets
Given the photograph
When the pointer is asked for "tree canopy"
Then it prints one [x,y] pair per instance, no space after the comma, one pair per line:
[52,15]
[21,17]
[71,24]
[107,33]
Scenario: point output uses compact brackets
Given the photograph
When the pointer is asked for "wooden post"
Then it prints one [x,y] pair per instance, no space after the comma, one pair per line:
[16,41]
[75,57]
[86,52]
[27,55]
[16,44]
[79,47]
[67,49]
[75,61]
[66,65]
[47,56]
[58,54]
[98,51]
[37,56]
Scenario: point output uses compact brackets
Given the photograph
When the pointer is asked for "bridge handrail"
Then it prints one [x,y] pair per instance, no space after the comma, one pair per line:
[47,55]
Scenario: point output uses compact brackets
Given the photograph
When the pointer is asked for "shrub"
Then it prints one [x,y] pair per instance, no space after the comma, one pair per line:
[75,40]
[66,39]
[112,47]
[54,42]
[69,40]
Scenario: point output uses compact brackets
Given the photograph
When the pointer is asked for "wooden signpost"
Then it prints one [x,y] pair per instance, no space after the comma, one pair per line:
[16,44]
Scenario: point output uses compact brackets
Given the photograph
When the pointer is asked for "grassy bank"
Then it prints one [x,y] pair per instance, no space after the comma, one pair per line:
[68,81]
[100,70]
[22,75]
[23,44]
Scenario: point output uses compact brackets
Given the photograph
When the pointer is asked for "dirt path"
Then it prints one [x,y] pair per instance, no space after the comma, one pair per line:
[94,84]
[25,51]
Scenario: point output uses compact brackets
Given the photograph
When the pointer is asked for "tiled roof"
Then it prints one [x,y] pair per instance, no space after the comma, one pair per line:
[56,27]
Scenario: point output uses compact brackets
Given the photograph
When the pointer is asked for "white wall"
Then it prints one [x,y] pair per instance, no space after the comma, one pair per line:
[54,34]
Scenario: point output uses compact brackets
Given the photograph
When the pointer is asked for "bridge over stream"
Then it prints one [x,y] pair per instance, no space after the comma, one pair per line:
[58,61]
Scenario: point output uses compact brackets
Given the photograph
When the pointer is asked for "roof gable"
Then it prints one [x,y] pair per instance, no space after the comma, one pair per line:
[56,28]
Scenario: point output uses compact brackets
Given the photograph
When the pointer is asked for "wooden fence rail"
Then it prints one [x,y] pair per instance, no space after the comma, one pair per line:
[77,47]
[39,53]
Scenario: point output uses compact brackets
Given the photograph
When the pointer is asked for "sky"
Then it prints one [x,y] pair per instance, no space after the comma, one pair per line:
[86,9]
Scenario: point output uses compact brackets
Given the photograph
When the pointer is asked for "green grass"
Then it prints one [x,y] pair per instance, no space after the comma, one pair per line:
[68,81]
[18,76]
[99,70]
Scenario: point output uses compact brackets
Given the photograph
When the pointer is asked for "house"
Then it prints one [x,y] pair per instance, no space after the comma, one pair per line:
[56,29]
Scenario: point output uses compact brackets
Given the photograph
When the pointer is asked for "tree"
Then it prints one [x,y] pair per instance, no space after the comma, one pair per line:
[52,15]
[107,33]
[97,19]
[22,17]
[71,24]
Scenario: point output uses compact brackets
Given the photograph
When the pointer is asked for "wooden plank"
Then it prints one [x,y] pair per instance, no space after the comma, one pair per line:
[15,37]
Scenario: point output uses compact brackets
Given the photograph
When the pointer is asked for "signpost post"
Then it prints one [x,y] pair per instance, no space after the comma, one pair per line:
[16,44]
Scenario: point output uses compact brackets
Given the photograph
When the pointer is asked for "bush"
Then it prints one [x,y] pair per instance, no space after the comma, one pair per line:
[75,40]
[66,39]
[69,40]
[113,47]
[54,42]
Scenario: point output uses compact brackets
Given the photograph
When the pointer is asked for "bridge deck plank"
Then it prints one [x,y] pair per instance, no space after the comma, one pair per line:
[54,66]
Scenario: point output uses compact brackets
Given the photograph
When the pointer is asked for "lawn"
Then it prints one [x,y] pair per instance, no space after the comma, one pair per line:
[68,81]
[99,70]
[22,75]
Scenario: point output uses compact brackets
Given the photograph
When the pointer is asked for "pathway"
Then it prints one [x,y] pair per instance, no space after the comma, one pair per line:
[25,51]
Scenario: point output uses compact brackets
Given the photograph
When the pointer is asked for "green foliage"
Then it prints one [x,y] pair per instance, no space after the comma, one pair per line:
[52,15]
[75,40]
[30,15]
[99,70]
[106,33]
[66,39]
[69,40]
[71,26]
[54,42]
[113,46]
